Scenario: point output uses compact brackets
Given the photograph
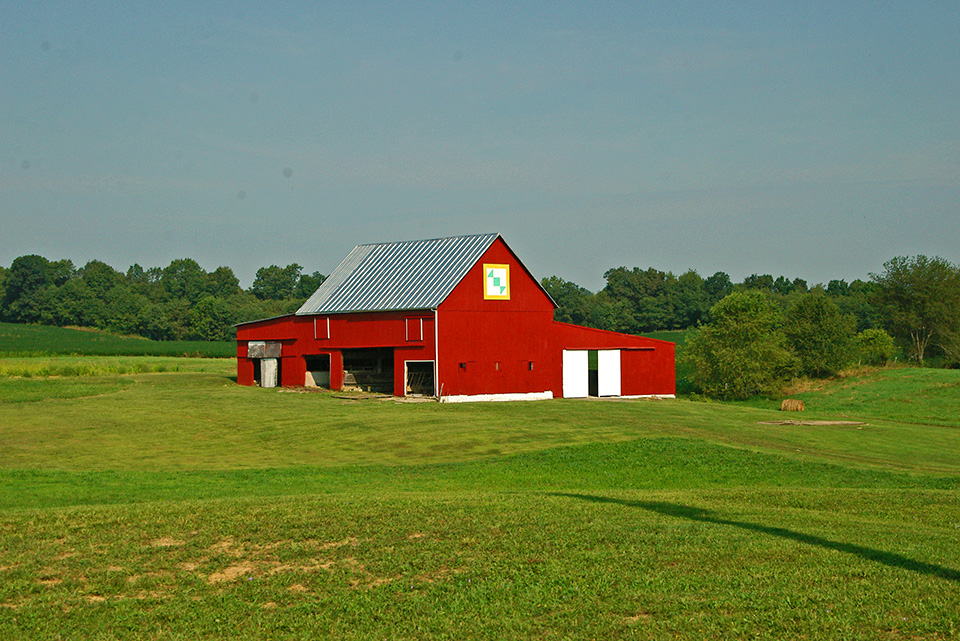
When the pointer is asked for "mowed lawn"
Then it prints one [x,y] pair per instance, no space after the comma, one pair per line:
[156,499]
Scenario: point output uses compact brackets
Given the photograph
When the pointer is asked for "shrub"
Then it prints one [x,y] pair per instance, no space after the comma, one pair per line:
[874,346]
[742,351]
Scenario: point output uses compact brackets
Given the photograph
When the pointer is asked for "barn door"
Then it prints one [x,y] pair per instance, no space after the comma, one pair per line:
[575,376]
[608,372]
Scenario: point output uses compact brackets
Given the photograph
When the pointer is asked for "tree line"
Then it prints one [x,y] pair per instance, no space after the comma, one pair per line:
[637,301]
[181,301]
[780,325]
[751,336]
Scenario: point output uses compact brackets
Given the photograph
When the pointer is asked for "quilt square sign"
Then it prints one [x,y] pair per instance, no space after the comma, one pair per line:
[496,282]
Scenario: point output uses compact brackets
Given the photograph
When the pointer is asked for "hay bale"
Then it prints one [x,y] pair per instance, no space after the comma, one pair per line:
[791,405]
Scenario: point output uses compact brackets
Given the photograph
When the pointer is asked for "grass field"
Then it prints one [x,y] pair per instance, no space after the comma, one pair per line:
[170,504]
[41,340]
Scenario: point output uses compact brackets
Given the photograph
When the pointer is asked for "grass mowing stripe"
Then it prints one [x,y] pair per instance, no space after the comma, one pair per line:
[716,565]
[640,464]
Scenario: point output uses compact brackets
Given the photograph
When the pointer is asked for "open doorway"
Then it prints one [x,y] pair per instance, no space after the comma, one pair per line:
[418,378]
[318,371]
[368,369]
[591,373]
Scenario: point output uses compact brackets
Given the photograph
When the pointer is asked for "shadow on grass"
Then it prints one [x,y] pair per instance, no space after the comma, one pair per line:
[706,516]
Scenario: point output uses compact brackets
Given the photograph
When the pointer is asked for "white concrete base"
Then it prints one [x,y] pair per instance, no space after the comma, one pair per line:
[487,398]
[649,396]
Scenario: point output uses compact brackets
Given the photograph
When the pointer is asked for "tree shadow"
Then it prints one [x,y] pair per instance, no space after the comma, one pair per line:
[706,516]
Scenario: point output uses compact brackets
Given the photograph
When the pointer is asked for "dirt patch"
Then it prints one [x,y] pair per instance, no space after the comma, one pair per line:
[133,578]
[232,572]
[443,574]
[642,616]
[849,423]
[372,583]
[165,542]
[350,540]
[222,546]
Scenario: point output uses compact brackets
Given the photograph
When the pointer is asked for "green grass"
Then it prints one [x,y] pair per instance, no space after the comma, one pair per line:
[41,340]
[168,505]
[907,394]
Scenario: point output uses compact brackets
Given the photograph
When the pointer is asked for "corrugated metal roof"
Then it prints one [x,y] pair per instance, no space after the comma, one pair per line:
[416,274]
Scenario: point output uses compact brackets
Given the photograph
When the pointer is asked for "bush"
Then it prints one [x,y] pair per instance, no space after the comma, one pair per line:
[874,347]
[820,336]
[742,351]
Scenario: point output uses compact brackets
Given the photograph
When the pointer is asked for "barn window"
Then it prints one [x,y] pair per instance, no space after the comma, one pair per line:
[463,367]
[530,366]
[414,329]
[321,328]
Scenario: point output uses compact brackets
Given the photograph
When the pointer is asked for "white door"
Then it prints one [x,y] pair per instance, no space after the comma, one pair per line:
[268,372]
[608,372]
[576,381]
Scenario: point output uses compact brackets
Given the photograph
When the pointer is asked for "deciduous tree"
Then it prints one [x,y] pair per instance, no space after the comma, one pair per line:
[742,351]
[923,297]
[819,334]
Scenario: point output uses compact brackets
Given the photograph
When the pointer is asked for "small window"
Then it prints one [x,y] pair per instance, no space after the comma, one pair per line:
[414,329]
[321,328]
[462,367]
[530,366]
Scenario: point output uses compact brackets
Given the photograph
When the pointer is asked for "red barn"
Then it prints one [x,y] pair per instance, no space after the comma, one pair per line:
[457,318]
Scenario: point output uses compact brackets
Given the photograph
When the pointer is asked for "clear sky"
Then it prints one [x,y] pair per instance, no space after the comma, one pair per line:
[813,140]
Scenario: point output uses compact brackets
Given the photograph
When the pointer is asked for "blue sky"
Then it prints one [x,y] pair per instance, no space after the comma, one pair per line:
[804,139]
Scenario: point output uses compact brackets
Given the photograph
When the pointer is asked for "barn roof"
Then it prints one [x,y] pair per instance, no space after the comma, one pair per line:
[416,274]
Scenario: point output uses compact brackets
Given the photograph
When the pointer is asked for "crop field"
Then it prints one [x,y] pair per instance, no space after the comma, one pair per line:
[156,499]
[40,340]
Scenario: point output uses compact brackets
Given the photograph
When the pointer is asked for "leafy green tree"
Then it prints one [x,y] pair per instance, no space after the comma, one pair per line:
[923,296]
[761,282]
[152,322]
[308,284]
[276,283]
[73,304]
[100,277]
[717,286]
[647,295]
[211,320]
[26,289]
[690,300]
[874,346]
[611,314]
[820,336]
[122,310]
[222,283]
[184,279]
[742,350]
[838,288]
[573,301]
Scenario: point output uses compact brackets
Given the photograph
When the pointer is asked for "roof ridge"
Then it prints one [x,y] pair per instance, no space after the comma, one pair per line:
[411,274]
[427,240]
